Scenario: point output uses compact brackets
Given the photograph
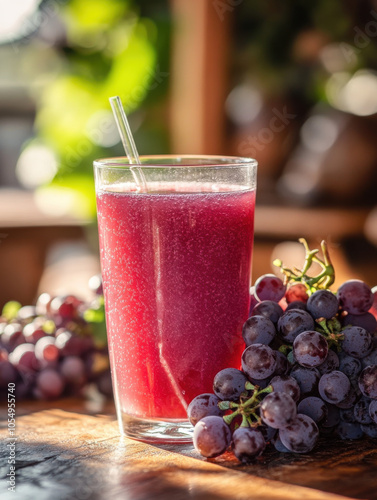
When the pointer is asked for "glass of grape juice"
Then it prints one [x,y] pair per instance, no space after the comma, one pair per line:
[176,268]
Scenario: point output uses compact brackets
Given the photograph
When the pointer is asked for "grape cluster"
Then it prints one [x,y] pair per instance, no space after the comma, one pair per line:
[54,348]
[309,368]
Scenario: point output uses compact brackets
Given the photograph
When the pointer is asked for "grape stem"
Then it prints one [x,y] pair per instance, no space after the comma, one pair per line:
[246,408]
[323,280]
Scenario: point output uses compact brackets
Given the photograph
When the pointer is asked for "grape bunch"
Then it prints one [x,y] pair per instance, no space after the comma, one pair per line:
[56,347]
[309,368]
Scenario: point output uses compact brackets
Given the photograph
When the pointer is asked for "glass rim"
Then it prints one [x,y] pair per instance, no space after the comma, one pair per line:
[212,161]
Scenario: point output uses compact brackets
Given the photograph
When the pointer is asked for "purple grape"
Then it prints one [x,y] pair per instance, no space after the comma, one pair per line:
[258,361]
[361,412]
[258,330]
[368,381]
[268,432]
[287,385]
[65,307]
[204,405]
[355,297]
[229,383]
[268,309]
[301,436]
[70,344]
[279,445]
[330,364]
[334,387]
[49,384]
[357,341]
[269,287]
[296,304]
[293,322]
[307,379]
[278,410]
[247,444]
[23,357]
[373,410]
[72,369]
[212,436]
[366,321]
[369,430]
[310,349]
[349,430]
[322,304]
[350,366]
[8,373]
[370,358]
[314,408]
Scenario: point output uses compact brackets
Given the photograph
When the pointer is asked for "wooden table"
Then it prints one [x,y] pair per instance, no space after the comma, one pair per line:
[64,452]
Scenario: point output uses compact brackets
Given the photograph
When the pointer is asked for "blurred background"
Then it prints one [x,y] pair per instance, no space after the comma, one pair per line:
[293,84]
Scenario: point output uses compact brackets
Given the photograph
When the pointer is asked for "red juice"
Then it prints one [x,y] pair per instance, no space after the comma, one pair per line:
[176,267]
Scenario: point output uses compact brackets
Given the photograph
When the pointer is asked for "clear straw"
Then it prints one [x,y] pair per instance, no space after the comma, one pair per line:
[128,142]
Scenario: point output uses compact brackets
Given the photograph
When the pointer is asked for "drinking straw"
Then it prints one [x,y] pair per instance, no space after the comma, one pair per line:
[128,142]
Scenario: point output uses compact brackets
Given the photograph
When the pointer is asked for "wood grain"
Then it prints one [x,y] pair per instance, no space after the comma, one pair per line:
[63,454]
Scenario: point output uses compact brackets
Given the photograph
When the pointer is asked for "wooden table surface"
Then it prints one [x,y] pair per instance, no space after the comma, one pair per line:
[65,452]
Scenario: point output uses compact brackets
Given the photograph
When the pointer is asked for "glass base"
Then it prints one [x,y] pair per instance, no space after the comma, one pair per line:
[156,430]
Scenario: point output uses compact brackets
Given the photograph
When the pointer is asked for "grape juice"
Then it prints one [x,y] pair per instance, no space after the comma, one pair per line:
[176,266]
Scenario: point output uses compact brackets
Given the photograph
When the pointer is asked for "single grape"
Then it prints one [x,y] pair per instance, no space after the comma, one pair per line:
[72,369]
[258,361]
[307,379]
[350,366]
[322,304]
[204,405]
[334,387]
[258,330]
[294,322]
[373,410]
[269,309]
[301,436]
[361,411]
[33,332]
[66,307]
[278,410]
[229,383]
[314,408]
[333,416]
[212,436]
[247,444]
[269,287]
[330,364]
[279,445]
[369,430]
[349,430]
[368,381]
[310,349]
[366,321]
[46,350]
[355,297]
[49,384]
[296,291]
[296,304]
[23,357]
[370,358]
[357,342]
[287,385]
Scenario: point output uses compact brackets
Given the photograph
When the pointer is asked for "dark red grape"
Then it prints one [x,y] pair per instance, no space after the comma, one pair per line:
[247,444]
[258,361]
[322,304]
[33,332]
[355,297]
[204,405]
[310,349]
[229,383]
[23,357]
[293,322]
[49,384]
[46,351]
[368,381]
[301,436]
[269,287]
[212,436]
[278,410]
[296,291]
[258,330]
[366,321]
[66,307]
[334,387]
